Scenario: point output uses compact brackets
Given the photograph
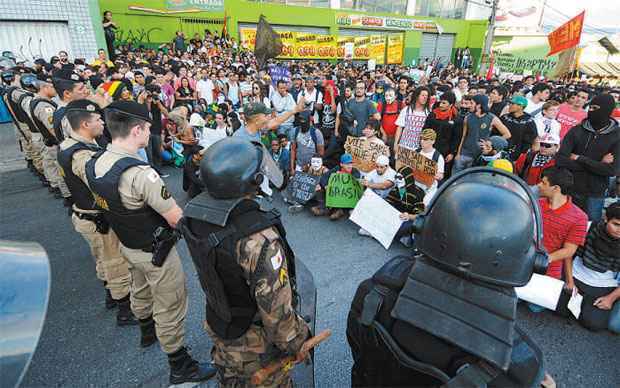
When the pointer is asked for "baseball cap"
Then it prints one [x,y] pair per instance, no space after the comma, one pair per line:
[382,160]
[498,143]
[519,100]
[254,108]
[550,138]
[346,159]
[296,76]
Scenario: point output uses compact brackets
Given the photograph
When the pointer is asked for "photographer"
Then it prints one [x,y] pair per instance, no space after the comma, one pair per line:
[151,98]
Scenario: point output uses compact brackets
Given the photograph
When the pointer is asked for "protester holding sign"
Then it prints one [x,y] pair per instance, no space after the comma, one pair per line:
[365,150]
[340,190]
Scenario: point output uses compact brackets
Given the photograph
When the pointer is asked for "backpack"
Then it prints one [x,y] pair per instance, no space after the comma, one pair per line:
[312,134]
[435,154]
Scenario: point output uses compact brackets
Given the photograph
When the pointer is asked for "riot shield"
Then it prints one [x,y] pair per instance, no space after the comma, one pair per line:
[303,374]
[24,294]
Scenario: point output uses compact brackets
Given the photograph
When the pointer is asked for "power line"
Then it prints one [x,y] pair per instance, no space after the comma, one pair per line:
[585,26]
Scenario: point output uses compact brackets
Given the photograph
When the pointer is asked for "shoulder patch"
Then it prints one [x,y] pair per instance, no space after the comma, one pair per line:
[49,110]
[50,120]
[165,194]
[276,260]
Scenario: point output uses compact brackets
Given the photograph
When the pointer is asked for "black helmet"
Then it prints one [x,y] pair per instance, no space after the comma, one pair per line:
[8,76]
[484,224]
[27,81]
[231,168]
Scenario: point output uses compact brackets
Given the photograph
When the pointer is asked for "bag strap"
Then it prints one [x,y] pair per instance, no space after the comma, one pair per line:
[476,375]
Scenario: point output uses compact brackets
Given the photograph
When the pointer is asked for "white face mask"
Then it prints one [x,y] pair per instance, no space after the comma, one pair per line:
[390,96]
[316,163]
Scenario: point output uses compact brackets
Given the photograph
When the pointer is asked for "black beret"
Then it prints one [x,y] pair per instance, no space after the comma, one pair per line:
[68,75]
[131,109]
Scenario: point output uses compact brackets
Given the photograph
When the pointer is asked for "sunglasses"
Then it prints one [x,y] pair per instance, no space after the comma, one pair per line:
[546,145]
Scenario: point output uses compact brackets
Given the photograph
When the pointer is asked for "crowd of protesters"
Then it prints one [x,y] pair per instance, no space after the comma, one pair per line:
[561,137]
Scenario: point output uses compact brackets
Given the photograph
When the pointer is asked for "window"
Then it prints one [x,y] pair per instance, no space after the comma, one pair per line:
[453,9]
[393,6]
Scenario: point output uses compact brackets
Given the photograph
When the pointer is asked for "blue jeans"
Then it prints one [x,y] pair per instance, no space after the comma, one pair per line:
[592,206]
[614,318]
[461,163]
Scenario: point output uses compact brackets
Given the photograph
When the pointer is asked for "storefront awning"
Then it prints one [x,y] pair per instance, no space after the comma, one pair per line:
[601,69]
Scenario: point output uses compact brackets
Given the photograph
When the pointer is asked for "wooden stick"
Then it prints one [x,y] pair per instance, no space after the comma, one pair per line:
[287,362]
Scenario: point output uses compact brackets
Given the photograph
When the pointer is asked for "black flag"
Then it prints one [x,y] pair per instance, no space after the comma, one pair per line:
[268,43]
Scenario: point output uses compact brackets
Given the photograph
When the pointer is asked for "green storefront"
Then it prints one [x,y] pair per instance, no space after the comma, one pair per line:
[154,22]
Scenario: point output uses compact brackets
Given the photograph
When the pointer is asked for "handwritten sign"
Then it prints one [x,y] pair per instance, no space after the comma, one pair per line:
[377,217]
[302,187]
[424,169]
[343,191]
[365,152]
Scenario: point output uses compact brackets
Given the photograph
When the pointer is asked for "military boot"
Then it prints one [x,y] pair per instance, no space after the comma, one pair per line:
[184,369]
[147,330]
[110,303]
[124,316]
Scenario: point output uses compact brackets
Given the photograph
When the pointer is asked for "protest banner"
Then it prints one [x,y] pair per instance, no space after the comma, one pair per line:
[424,169]
[365,152]
[377,217]
[567,35]
[302,187]
[278,73]
[377,49]
[343,191]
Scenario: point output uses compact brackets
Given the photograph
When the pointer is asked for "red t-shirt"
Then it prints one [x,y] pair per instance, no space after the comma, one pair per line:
[565,224]
[569,118]
[388,120]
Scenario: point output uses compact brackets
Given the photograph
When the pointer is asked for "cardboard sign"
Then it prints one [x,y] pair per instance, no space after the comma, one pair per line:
[302,187]
[424,169]
[378,217]
[343,191]
[365,152]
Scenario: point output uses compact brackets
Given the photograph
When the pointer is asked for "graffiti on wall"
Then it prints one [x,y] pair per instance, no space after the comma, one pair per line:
[134,35]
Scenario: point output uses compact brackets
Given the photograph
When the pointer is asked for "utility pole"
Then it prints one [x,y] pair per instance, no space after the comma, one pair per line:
[489,39]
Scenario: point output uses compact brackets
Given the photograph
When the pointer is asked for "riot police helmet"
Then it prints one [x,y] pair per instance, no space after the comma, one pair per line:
[484,224]
[8,76]
[28,81]
[231,168]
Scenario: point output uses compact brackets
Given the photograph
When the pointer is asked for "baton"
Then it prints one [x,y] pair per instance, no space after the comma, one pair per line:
[287,362]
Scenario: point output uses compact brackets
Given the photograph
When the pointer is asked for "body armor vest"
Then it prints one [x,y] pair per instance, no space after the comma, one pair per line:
[27,120]
[48,137]
[134,227]
[81,194]
[231,306]
[59,114]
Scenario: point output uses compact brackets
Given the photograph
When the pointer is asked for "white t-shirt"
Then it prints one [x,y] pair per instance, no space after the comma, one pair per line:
[440,169]
[412,122]
[205,90]
[210,136]
[594,278]
[545,125]
[533,107]
[388,175]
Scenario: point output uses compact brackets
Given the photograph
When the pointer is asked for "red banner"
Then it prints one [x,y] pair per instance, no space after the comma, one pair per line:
[567,35]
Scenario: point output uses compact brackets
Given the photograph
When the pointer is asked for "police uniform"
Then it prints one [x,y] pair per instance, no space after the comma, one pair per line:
[134,197]
[447,316]
[112,268]
[245,267]
[22,131]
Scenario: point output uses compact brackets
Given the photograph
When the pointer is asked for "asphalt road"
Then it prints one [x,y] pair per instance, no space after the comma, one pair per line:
[81,346]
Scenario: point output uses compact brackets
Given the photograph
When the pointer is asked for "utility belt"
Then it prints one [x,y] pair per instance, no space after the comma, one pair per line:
[164,239]
[101,224]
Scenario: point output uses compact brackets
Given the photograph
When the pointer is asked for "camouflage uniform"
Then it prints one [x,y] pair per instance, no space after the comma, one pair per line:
[277,330]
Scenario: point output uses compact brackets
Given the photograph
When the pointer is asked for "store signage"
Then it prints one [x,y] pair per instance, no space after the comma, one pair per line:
[355,20]
[204,5]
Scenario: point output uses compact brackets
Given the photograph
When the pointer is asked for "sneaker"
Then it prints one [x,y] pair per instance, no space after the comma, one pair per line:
[317,211]
[363,232]
[293,209]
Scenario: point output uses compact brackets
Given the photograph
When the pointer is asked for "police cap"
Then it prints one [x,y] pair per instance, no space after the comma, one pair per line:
[131,109]
[83,106]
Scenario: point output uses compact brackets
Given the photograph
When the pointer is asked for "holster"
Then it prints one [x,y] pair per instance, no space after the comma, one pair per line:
[164,240]
[101,224]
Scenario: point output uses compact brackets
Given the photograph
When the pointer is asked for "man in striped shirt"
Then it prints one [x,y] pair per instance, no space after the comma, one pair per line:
[564,224]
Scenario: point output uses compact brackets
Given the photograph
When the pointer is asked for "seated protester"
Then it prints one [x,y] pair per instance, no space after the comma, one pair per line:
[427,149]
[284,143]
[307,141]
[442,121]
[521,126]
[192,183]
[389,110]
[380,180]
[564,224]
[547,123]
[407,198]
[531,164]
[371,131]
[317,169]
[280,155]
[346,166]
[267,136]
[492,149]
[595,273]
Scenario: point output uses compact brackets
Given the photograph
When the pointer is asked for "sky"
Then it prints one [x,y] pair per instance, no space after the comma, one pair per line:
[600,14]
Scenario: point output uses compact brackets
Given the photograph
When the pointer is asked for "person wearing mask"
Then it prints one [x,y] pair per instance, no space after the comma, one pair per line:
[596,274]
[442,121]
[283,101]
[411,120]
[521,125]
[572,114]
[476,127]
[547,123]
[389,111]
[531,164]
[591,151]
[563,223]
[307,141]
[540,94]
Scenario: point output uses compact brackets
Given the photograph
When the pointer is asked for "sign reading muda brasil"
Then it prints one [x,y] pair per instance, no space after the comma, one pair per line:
[356,20]
[205,5]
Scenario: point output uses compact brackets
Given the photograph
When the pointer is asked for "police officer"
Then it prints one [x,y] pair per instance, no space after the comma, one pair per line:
[245,266]
[447,316]
[142,212]
[86,124]
[17,97]
[44,135]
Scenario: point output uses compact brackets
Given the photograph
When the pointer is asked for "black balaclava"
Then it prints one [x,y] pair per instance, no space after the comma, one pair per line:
[599,118]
